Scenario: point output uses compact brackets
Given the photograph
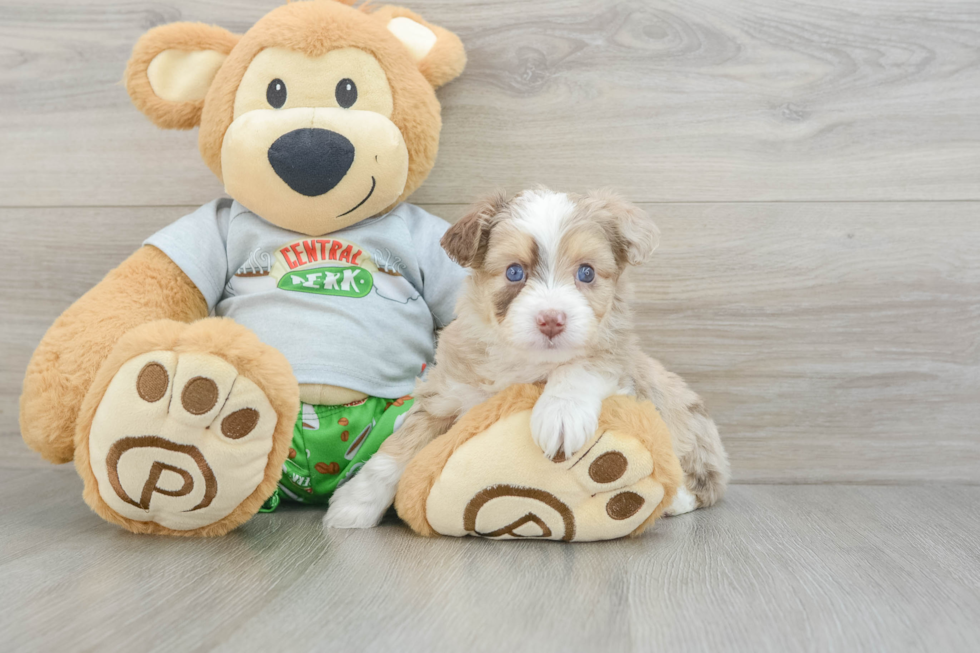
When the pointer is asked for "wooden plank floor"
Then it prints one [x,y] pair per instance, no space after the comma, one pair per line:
[773,568]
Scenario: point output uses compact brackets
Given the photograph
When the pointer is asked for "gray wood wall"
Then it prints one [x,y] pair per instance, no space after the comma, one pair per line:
[815,169]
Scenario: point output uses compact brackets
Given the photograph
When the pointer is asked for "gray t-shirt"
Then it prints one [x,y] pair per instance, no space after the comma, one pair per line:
[356,308]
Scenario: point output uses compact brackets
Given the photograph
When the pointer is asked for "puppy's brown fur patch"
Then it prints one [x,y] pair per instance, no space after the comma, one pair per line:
[507,247]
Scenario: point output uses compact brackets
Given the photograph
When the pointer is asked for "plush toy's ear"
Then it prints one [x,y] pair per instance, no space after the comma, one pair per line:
[438,52]
[172,68]
[633,231]
[467,240]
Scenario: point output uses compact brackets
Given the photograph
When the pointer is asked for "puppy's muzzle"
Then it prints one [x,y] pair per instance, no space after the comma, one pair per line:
[311,161]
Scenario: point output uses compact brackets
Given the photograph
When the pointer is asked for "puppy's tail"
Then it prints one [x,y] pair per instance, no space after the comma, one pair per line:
[706,468]
[695,435]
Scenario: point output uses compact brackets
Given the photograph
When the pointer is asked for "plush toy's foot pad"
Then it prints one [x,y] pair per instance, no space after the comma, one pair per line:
[180,439]
[500,485]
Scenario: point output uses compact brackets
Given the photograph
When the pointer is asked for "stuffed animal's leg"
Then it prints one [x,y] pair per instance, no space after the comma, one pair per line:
[363,501]
[185,428]
[695,436]
[147,286]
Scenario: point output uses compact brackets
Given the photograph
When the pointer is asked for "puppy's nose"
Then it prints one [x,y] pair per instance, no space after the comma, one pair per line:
[550,323]
[311,161]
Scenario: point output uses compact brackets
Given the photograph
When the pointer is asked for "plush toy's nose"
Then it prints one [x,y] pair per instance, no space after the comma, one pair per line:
[311,161]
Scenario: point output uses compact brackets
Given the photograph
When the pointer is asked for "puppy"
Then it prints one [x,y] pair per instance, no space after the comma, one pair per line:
[548,300]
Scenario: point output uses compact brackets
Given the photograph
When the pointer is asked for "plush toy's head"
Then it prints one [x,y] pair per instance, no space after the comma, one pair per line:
[319,116]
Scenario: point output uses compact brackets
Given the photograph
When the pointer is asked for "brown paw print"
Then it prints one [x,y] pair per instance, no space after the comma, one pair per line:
[601,492]
[195,425]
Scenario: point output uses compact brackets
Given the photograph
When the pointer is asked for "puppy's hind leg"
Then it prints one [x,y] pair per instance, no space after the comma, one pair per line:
[695,436]
[705,464]
[363,501]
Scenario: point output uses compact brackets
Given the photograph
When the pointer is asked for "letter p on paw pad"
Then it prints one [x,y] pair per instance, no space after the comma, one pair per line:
[179,440]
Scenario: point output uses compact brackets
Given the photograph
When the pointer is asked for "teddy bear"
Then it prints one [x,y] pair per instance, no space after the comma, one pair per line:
[262,347]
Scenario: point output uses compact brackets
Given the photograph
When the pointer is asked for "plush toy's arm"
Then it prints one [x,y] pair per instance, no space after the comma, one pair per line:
[147,286]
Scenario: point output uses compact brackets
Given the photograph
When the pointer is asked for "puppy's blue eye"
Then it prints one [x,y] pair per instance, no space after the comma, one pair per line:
[586,274]
[515,272]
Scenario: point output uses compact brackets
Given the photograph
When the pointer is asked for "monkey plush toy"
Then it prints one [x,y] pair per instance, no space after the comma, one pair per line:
[264,346]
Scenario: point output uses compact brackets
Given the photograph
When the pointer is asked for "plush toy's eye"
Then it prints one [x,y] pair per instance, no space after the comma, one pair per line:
[586,274]
[276,93]
[515,272]
[346,93]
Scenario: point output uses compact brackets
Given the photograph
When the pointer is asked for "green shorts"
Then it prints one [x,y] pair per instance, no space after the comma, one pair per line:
[331,443]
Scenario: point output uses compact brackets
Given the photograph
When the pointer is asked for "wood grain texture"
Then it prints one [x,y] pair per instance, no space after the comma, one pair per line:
[688,100]
[803,568]
[832,342]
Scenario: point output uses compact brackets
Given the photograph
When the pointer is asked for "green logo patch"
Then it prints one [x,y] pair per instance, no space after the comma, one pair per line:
[342,282]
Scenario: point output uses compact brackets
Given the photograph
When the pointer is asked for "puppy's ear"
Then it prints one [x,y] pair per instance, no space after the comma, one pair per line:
[438,52]
[466,241]
[632,231]
[172,68]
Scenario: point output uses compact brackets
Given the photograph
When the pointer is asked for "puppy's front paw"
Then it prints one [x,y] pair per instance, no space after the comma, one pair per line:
[563,424]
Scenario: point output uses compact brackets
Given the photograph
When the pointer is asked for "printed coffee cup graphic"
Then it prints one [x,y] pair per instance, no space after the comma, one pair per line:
[355,446]
[391,284]
[191,454]
[254,275]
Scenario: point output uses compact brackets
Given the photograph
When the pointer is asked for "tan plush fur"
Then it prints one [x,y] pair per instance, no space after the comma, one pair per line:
[188,37]
[446,60]
[424,469]
[624,415]
[147,286]
[220,337]
[619,413]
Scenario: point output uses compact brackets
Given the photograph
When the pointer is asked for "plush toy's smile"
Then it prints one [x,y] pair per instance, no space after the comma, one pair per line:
[374,184]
